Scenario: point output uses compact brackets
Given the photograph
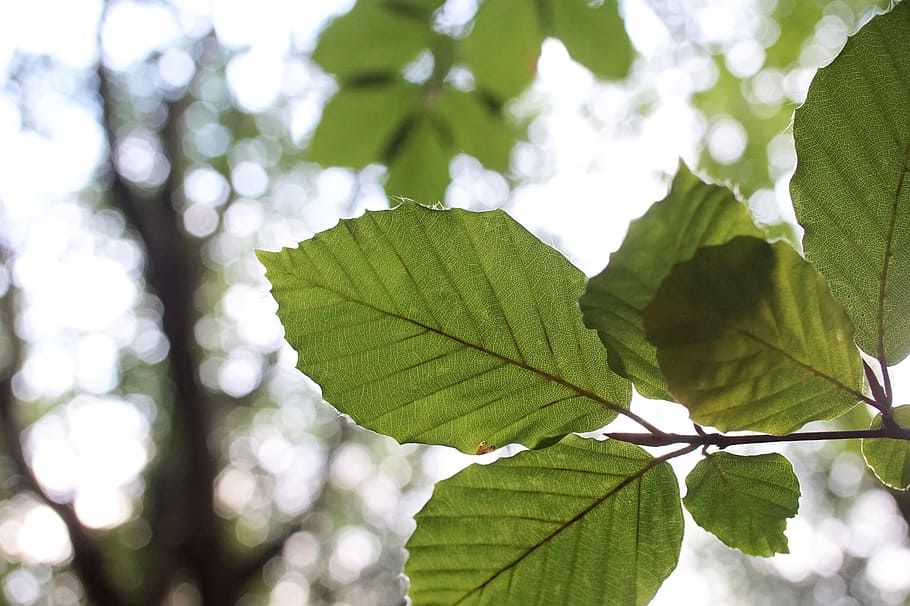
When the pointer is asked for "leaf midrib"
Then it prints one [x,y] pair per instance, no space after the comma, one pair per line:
[889,239]
[567,524]
[480,348]
[708,316]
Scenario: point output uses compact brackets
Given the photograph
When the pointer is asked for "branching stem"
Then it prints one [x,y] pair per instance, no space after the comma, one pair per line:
[722,441]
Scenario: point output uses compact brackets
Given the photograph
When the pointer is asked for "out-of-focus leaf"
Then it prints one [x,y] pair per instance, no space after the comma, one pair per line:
[371,38]
[503,47]
[744,501]
[595,36]
[890,459]
[851,190]
[693,214]
[421,9]
[749,337]
[763,103]
[581,522]
[419,168]
[358,123]
[477,128]
[445,327]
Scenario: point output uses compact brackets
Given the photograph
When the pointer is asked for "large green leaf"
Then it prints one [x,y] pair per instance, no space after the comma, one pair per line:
[359,123]
[372,37]
[744,501]
[595,36]
[693,214]
[581,522]
[503,46]
[749,337]
[890,459]
[850,188]
[419,168]
[445,327]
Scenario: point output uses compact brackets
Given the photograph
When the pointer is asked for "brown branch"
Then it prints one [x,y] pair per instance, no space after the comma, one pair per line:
[173,274]
[245,569]
[722,441]
[88,561]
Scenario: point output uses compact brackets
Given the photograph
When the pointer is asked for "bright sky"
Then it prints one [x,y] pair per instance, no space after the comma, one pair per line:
[598,180]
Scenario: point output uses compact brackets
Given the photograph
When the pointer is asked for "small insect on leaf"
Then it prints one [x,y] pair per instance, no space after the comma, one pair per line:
[484,448]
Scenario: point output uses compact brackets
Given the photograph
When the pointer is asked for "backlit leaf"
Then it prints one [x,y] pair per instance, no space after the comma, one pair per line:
[851,190]
[393,37]
[749,337]
[744,501]
[503,46]
[477,129]
[595,36]
[693,214]
[419,169]
[445,327]
[581,522]
[359,123]
[890,459]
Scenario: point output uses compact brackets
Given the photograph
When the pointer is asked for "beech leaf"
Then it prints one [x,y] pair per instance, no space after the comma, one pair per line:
[581,522]
[445,327]
[693,214]
[744,500]
[850,190]
[890,459]
[749,337]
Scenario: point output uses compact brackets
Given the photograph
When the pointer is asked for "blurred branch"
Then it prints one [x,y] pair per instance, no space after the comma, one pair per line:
[173,273]
[88,562]
[254,563]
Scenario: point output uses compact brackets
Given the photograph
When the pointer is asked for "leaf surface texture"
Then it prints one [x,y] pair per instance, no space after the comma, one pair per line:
[744,500]
[580,522]
[749,337]
[445,327]
[850,190]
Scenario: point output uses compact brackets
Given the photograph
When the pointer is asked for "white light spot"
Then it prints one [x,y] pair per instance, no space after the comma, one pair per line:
[249,179]
[206,186]
[200,220]
[727,141]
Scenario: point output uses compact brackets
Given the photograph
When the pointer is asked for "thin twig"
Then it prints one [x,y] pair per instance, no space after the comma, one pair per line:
[722,441]
[886,376]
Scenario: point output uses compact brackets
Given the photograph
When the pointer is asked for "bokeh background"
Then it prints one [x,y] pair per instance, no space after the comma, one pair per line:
[158,446]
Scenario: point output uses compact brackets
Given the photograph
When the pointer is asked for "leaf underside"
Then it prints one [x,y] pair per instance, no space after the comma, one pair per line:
[503,46]
[850,189]
[749,337]
[580,522]
[395,39]
[595,36]
[359,122]
[890,459]
[744,500]
[693,214]
[445,327]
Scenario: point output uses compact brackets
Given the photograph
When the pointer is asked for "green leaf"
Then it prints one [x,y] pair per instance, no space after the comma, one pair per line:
[850,188]
[890,459]
[359,123]
[595,36]
[693,214]
[445,327]
[503,47]
[419,169]
[477,128]
[744,501]
[581,522]
[372,38]
[749,337]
